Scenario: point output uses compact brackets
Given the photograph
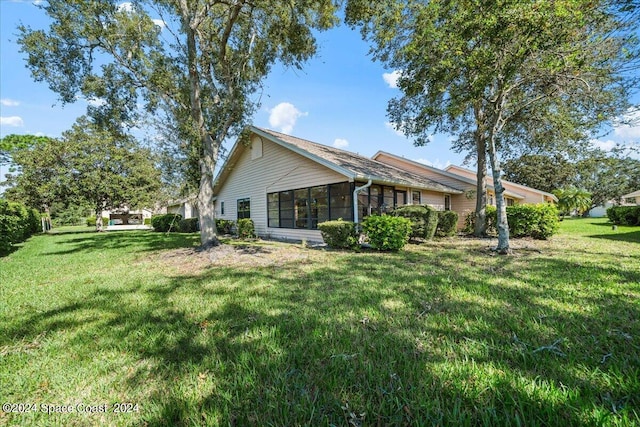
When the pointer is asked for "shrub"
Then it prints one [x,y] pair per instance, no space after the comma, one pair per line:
[245,228]
[447,223]
[224,226]
[424,220]
[491,217]
[91,221]
[339,234]
[17,223]
[165,222]
[188,225]
[539,221]
[146,221]
[624,215]
[386,232]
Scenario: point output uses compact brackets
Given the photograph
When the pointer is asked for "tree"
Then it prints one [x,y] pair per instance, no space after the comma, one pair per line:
[493,72]
[87,165]
[607,176]
[198,63]
[544,172]
[573,199]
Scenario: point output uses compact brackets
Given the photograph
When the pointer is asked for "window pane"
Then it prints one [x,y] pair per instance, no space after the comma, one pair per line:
[302,205]
[244,208]
[415,195]
[319,205]
[273,210]
[340,201]
[286,209]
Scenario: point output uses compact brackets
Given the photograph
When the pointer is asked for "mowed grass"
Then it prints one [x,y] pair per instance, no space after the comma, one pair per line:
[444,333]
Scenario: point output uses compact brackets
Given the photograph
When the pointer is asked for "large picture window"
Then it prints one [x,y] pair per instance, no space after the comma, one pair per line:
[307,207]
[244,208]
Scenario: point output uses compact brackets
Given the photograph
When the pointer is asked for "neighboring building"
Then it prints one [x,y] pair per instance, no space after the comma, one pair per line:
[465,179]
[631,199]
[122,219]
[187,208]
[288,185]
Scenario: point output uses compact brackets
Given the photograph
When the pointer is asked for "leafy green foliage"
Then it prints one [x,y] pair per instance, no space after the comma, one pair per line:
[224,226]
[624,215]
[424,220]
[539,221]
[165,222]
[387,232]
[543,172]
[92,220]
[447,223]
[188,225]
[245,228]
[17,223]
[573,199]
[339,234]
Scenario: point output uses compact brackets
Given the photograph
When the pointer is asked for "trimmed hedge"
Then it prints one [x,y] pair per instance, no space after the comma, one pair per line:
[539,221]
[188,225]
[339,234]
[424,220]
[17,224]
[245,228]
[447,223]
[624,215]
[91,221]
[386,232]
[165,222]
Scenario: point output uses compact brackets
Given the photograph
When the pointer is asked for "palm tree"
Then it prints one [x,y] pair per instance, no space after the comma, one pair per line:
[573,199]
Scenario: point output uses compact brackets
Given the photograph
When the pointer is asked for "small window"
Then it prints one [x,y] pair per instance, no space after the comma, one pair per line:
[244,208]
[415,196]
[447,202]
[221,208]
[510,202]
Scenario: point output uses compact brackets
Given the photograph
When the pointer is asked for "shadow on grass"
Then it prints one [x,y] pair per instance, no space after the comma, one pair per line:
[414,338]
[632,236]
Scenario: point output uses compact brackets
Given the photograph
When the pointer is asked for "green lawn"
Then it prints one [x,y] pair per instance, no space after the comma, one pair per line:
[265,333]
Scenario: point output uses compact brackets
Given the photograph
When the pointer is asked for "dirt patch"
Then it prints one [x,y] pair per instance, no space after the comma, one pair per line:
[249,255]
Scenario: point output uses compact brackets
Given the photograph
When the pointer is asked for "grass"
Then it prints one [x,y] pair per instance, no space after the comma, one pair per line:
[272,334]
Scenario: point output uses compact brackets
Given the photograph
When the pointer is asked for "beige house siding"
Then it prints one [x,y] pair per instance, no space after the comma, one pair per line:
[276,169]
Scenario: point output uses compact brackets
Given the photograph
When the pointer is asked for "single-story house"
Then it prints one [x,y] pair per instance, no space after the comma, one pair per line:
[465,180]
[288,185]
[125,218]
[631,199]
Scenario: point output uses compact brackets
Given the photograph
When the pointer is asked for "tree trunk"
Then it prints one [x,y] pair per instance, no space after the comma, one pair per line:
[99,226]
[480,226]
[502,224]
[206,211]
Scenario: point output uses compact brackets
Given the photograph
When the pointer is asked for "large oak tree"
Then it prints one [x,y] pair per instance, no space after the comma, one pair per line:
[199,63]
[503,73]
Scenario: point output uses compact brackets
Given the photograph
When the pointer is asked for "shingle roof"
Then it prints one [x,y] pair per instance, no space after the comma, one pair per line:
[355,165]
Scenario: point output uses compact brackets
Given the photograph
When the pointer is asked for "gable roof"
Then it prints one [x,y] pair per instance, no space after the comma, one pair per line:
[353,166]
[632,195]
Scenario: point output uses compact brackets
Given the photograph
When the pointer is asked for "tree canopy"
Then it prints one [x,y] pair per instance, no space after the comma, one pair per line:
[503,74]
[88,165]
[198,65]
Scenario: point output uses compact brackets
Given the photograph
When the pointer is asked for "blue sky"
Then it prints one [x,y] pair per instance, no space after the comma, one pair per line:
[338,99]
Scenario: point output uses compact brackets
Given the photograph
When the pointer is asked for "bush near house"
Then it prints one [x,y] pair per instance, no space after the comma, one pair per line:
[539,221]
[188,225]
[245,228]
[17,224]
[224,226]
[424,220]
[165,222]
[624,215]
[447,223]
[386,232]
[339,234]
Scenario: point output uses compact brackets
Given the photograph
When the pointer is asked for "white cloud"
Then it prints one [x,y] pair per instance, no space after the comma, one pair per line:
[392,78]
[9,102]
[284,116]
[125,7]
[629,125]
[607,145]
[159,22]
[436,164]
[340,143]
[96,102]
[392,127]
[14,121]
